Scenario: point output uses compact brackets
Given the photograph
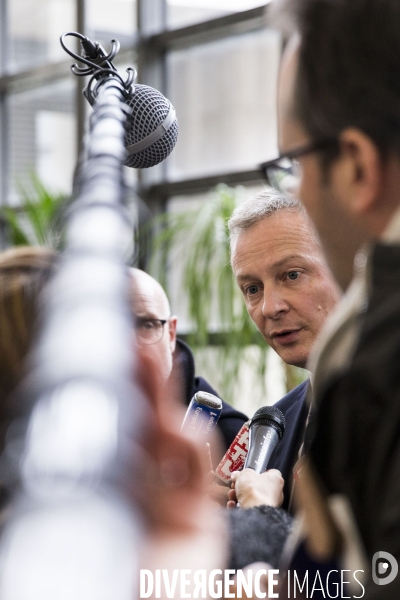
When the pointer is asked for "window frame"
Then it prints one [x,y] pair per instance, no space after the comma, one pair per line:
[153,43]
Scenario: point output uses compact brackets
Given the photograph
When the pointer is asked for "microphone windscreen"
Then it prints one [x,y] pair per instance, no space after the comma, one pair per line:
[270,415]
[202,414]
[152,115]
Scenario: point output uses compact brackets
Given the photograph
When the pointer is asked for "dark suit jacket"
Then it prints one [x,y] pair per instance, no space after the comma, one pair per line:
[259,534]
[356,449]
[285,455]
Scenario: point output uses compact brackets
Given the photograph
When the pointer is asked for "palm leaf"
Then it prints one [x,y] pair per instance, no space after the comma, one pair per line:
[16,234]
[36,221]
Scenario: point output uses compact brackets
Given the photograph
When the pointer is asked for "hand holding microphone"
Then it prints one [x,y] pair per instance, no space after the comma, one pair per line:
[256,489]
[254,485]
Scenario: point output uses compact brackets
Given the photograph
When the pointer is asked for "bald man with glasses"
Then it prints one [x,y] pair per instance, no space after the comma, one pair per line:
[156,332]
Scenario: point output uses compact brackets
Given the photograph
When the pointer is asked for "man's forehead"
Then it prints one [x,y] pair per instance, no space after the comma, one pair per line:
[274,242]
[147,296]
[249,270]
[147,305]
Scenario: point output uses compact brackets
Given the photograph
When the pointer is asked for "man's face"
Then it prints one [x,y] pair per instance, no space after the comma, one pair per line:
[149,302]
[285,282]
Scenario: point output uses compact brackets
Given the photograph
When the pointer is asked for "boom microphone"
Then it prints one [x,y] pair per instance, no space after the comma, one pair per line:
[265,430]
[151,126]
[202,414]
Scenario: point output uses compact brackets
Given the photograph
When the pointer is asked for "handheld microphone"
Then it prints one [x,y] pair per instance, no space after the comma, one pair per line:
[202,414]
[266,429]
[151,126]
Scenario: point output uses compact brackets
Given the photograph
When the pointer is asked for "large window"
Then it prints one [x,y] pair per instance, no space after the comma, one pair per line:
[187,12]
[32,31]
[42,137]
[42,111]
[224,93]
[216,60]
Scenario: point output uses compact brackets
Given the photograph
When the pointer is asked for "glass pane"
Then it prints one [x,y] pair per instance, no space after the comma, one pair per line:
[35,27]
[42,138]
[108,19]
[187,12]
[224,94]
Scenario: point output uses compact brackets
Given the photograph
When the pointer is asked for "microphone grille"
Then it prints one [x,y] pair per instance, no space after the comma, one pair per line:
[272,416]
[149,110]
[208,400]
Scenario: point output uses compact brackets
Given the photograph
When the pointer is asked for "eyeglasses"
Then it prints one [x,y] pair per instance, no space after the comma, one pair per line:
[284,173]
[149,331]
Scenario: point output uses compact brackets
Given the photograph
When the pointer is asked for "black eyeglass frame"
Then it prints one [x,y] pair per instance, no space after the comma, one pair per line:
[297,152]
[139,320]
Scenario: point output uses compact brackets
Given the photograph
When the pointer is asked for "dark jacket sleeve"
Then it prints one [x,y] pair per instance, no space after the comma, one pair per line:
[285,455]
[257,534]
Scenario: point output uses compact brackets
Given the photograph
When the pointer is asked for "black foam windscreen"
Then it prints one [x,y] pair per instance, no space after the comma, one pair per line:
[151,111]
[270,415]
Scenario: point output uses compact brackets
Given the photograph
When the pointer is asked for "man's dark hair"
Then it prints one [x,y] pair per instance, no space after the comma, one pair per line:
[349,66]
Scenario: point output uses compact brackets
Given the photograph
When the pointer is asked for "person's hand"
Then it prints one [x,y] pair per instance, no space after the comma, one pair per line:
[217,493]
[174,469]
[254,489]
[183,528]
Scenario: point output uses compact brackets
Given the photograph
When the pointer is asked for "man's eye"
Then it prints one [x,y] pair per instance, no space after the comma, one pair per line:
[146,325]
[293,275]
[251,290]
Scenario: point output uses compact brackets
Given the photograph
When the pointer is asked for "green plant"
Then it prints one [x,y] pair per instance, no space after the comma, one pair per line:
[197,243]
[37,221]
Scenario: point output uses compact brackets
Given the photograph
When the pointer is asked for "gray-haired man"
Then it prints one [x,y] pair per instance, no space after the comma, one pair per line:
[289,292]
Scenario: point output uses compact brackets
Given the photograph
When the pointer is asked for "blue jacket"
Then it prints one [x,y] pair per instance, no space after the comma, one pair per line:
[285,455]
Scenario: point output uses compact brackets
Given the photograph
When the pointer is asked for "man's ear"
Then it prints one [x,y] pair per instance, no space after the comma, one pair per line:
[172,325]
[358,172]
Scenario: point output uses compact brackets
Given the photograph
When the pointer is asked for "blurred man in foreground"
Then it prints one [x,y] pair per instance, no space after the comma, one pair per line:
[339,113]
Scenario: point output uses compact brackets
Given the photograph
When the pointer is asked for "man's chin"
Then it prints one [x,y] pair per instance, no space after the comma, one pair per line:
[294,359]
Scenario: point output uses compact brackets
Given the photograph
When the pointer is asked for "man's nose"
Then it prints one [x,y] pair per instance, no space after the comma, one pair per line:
[274,303]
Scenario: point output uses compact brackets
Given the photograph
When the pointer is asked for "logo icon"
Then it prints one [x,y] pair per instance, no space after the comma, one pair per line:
[384,568]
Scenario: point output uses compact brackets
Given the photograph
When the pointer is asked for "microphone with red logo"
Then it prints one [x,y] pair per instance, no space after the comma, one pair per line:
[235,456]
